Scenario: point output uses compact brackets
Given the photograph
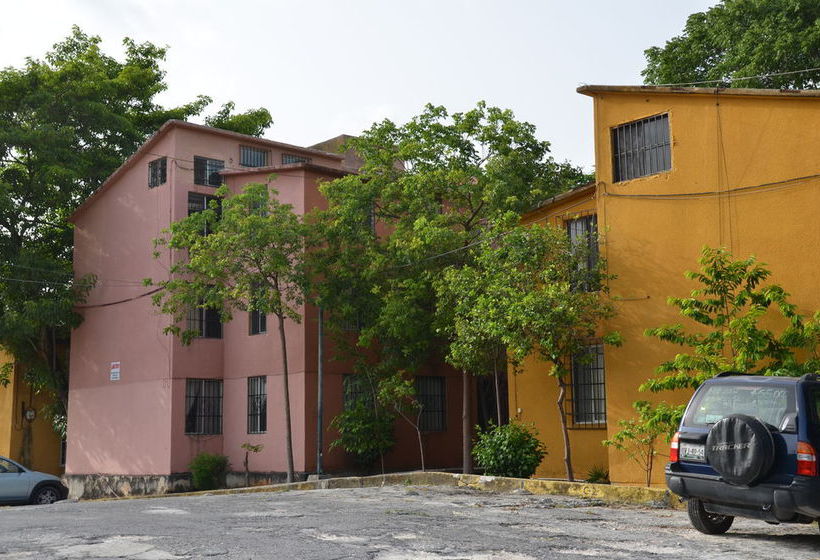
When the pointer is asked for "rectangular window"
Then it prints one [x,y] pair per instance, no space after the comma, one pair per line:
[206,171]
[431,397]
[293,158]
[205,322]
[588,388]
[203,406]
[252,157]
[355,388]
[583,234]
[641,148]
[63,451]
[257,405]
[259,322]
[198,202]
[157,172]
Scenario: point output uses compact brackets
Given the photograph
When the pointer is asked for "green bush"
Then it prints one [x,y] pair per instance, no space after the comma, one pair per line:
[208,471]
[510,450]
[598,475]
[364,432]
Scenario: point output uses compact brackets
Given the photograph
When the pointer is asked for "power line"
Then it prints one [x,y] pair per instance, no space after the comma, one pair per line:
[148,293]
[722,80]
[703,194]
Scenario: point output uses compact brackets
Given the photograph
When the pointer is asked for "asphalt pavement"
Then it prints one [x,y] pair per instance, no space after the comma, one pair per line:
[389,523]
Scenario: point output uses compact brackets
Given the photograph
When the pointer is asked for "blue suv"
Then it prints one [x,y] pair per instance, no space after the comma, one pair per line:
[747,447]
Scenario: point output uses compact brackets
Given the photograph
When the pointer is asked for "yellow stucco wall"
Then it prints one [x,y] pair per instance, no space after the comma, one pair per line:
[758,153]
[45,445]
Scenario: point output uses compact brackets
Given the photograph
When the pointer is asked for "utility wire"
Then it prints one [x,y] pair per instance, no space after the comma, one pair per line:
[723,80]
[148,293]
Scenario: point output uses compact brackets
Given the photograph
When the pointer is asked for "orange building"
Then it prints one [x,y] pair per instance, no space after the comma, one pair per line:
[677,169]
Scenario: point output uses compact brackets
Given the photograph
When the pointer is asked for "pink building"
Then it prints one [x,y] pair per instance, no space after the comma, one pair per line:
[142,405]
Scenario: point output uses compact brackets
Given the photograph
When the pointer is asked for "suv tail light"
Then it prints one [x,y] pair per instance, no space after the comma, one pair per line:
[806,459]
[673,449]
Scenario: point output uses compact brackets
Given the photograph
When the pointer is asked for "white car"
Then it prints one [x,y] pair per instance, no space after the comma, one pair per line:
[19,485]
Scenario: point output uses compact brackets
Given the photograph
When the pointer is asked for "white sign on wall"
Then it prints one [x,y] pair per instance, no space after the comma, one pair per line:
[115,371]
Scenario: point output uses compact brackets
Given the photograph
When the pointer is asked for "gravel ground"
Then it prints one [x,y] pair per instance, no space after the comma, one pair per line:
[390,523]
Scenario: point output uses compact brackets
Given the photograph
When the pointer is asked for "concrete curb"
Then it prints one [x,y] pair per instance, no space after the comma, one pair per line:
[609,493]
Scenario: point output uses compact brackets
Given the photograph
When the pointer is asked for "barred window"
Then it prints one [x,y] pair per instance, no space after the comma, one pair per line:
[293,158]
[259,322]
[198,202]
[641,148]
[583,234]
[252,157]
[157,172]
[355,388]
[206,171]
[588,388]
[203,406]
[431,397]
[257,405]
[205,322]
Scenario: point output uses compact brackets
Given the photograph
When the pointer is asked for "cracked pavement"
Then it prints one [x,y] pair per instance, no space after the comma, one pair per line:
[389,523]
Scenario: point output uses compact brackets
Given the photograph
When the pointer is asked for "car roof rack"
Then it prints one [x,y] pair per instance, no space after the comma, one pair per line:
[731,373]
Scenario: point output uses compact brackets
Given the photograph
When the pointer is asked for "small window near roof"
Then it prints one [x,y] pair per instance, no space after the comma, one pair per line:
[206,171]
[641,148]
[157,172]
[252,157]
[293,158]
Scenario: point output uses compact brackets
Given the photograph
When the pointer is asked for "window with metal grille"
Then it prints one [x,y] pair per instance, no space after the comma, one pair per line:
[63,451]
[293,158]
[355,388]
[257,405]
[206,171]
[157,172]
[198,202]
[205,322]
[583,235]
[252,157]
[641,148]
[588,388]
[430,395]
[203,406]
[259,322]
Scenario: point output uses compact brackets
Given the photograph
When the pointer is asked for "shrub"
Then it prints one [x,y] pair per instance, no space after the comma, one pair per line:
[208,471]
[364,432]
[598,474]
[510,450]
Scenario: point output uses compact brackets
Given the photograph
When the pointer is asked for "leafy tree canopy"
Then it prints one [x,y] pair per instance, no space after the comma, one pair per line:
[741,38]
[253,122]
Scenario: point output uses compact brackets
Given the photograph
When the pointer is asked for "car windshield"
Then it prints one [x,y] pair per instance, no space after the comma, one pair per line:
[766,403]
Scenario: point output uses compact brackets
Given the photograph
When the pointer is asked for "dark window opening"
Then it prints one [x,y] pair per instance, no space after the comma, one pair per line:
[356,388]
[198,202]
[203,406]
[252,157]
[157,172]
[583,236]
[259,322]
[205,322]
[431,397]
[206,171]
[587,398]
[641,148]
[293,158]
[257,405]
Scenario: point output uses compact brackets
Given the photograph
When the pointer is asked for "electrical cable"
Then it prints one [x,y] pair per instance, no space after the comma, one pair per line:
[148,293]
[743,78]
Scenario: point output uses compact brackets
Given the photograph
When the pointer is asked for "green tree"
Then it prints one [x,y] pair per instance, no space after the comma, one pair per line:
[523,290]
[253,122]
[251,259]
[434,185]
[728,307]
[742,38]
[69,120]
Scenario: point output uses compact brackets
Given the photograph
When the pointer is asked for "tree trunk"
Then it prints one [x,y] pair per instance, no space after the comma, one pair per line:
[421,447]
[247,471]
[466,433]
[497,391]
[286,386]
[562,391]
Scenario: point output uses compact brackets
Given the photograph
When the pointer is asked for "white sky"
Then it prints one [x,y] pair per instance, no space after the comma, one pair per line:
[326,67]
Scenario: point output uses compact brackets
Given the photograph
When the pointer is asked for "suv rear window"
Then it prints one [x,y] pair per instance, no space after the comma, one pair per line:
[767,403]
[814,405]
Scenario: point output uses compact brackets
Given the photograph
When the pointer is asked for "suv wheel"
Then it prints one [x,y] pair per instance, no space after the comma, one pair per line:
[45,495]
[705,522]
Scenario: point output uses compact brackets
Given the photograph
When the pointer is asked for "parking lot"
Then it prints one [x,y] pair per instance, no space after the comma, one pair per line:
[390,523]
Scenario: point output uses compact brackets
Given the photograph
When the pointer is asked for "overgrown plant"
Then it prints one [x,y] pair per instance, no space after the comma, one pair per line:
[510,450]
[208,471]
[365,431]
[638,437]
[249,448]
[598,474]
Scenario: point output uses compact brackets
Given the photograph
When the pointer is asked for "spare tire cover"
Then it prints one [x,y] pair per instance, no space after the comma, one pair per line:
[740,448]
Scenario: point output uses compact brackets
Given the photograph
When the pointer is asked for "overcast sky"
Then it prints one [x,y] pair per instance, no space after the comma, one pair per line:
[326,67]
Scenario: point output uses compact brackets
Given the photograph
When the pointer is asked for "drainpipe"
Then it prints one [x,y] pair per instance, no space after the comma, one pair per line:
[320,371]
